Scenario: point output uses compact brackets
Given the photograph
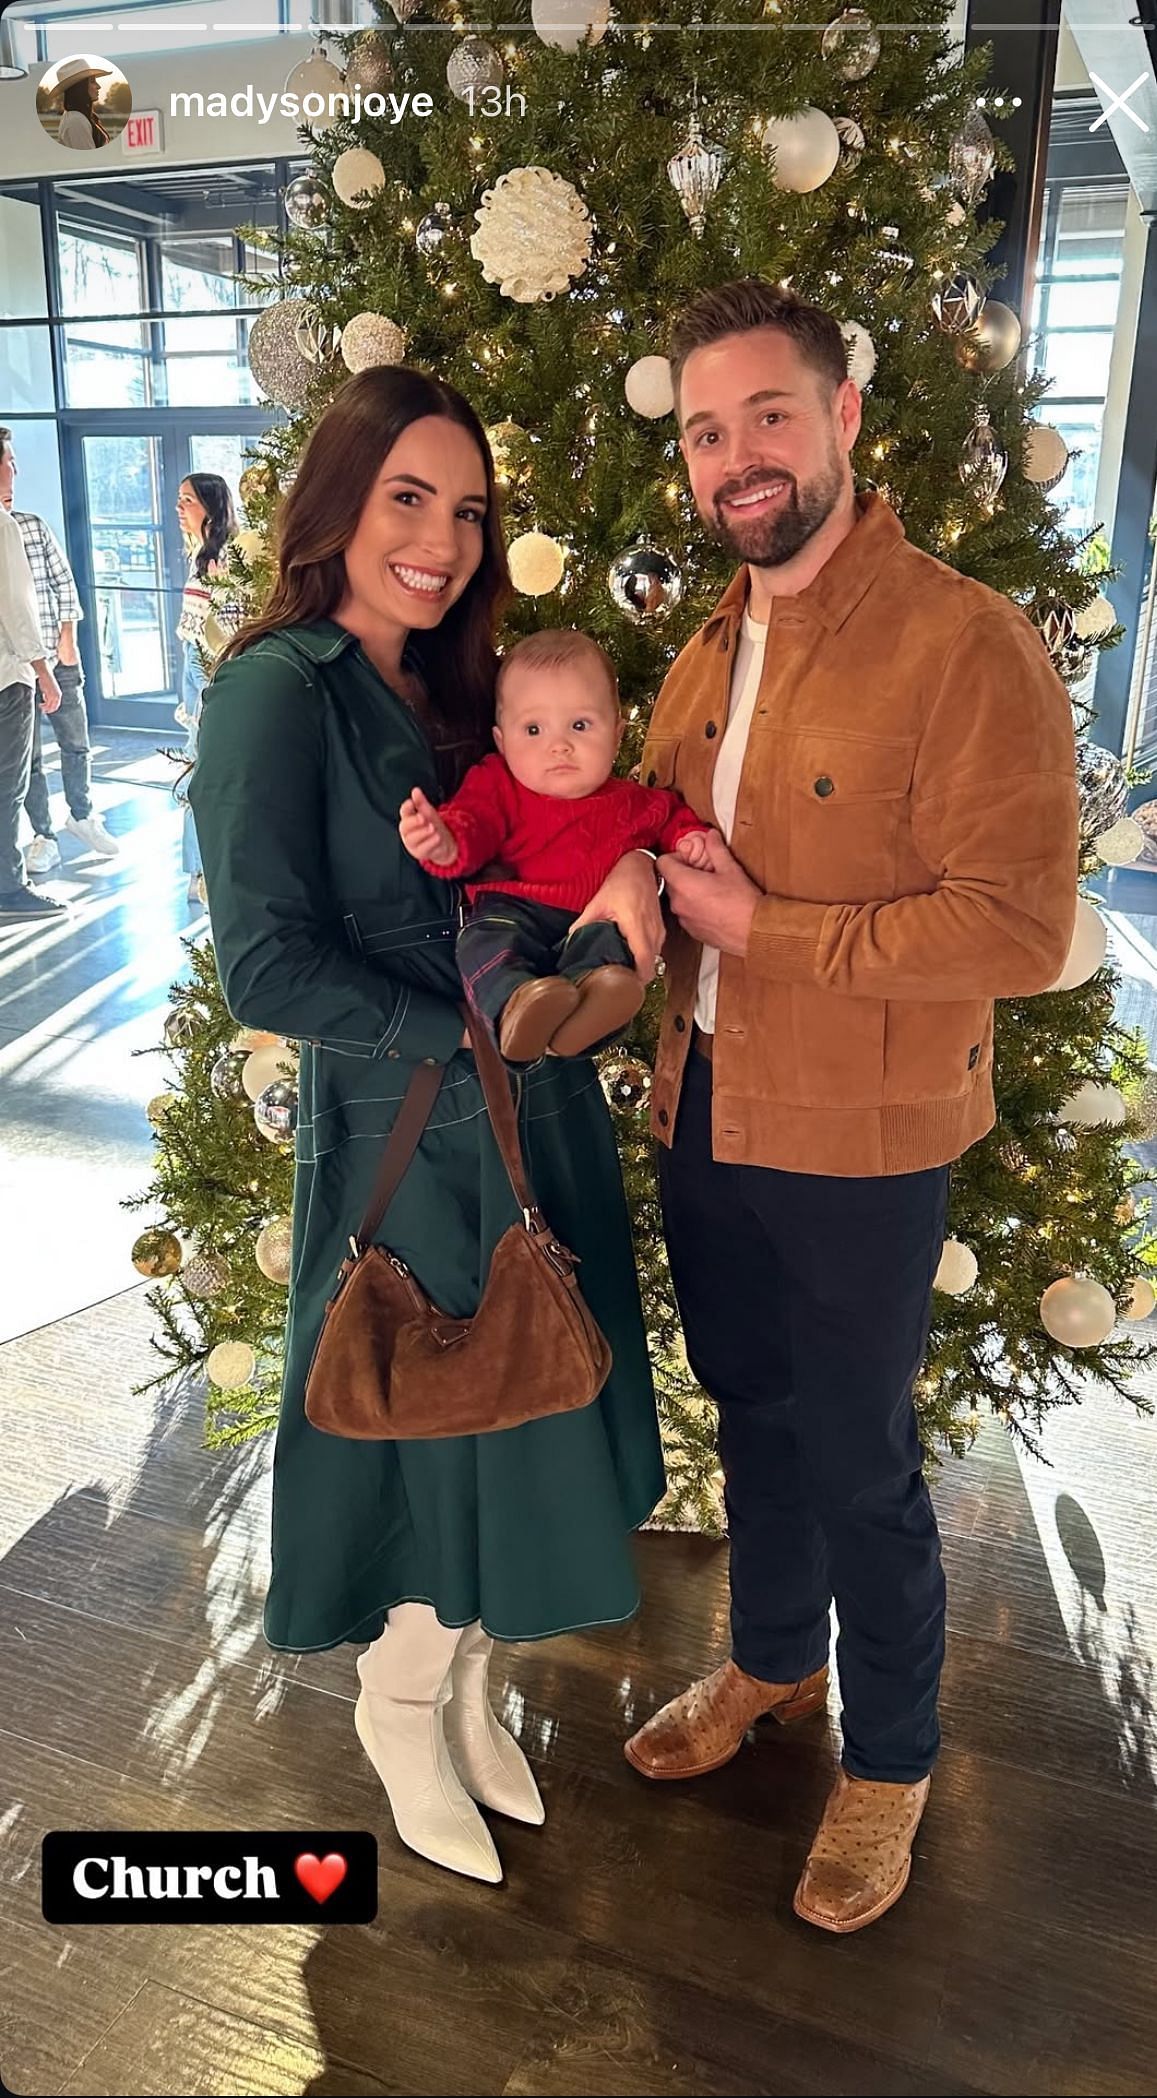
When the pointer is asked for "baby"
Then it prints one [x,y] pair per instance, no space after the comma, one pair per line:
[534,831]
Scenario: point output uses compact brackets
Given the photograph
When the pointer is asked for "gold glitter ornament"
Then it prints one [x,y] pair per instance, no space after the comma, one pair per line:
[274,1249]
[157,1252]
[231,1365]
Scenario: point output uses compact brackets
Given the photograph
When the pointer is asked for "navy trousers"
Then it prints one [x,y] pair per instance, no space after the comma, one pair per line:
[806,1302]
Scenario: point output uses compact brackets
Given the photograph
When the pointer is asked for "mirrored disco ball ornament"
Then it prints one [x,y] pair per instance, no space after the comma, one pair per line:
[370,67]
[1103,787]
[645,583]
[225,1077]
[972,158]
[695,171]
[957,304]
[275,1111]
[306,203]
[851,44]
[474,67]
[157,1253]
[434,229]
[983,460]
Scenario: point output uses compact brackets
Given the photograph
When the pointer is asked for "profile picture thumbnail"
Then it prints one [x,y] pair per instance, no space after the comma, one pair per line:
[84,102]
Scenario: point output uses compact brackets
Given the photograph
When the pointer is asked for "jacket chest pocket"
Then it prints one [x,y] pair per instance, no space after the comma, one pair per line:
[842,800]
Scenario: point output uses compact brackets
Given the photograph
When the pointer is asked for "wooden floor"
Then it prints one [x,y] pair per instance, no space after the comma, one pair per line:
[644,1940]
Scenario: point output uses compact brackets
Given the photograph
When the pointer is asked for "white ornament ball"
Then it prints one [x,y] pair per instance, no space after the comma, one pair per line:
[264,1067]
[533,234]
[648,387]
[565,24]
[958,1268]
[1077,1312]
[159,1106]
[1141,1300]
[1095,619]
[1121,845]
[1086,949]
[1093,1106]
[536,563]
[317,76]
[253,1038]
[370,339]
[231,1365]
[1046,456]
[804,149]
[861,353]
[357,176]
[250,545]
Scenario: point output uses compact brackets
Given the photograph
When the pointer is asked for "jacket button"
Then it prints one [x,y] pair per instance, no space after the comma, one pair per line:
[393,1054]
[651,777]
[824,786]
[664,1117]
[710,731]
[680,1024]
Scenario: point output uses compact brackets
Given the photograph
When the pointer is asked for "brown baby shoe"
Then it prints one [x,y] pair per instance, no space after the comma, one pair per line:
[862,1854]
[607,999]
[531,1015]
[704,1728]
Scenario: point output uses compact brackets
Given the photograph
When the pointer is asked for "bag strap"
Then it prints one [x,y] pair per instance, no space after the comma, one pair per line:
[414,1113]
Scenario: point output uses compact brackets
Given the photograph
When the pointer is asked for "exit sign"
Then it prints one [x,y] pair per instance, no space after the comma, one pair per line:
[143,136]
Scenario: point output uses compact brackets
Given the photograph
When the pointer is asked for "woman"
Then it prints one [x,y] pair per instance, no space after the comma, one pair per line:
[371,669]
[207,520]
[78,93]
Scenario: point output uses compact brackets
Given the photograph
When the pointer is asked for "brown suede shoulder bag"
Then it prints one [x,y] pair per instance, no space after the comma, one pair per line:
[389,1366]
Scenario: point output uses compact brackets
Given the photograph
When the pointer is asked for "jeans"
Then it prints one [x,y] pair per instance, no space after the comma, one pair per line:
[806,1303]
[17,716]
[69,725]
[192,687]
[509,940]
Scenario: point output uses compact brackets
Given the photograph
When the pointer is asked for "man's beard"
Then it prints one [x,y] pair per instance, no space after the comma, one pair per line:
[769,541]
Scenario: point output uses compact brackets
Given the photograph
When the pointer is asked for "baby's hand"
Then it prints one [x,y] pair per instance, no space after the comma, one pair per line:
[694,850]
[423,832]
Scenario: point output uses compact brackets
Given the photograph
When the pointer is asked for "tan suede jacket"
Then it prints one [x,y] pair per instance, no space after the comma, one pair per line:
[908,806]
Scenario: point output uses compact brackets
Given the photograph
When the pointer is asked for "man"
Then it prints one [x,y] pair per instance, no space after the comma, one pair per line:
[888,751]
[22,668]
[59,609]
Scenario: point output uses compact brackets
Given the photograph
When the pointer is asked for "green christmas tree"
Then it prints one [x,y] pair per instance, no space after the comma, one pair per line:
[530,239]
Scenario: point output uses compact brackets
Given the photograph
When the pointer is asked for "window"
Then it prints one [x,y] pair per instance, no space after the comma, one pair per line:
[1074,314]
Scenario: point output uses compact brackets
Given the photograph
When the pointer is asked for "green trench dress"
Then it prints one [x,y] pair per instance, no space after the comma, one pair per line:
[327,932]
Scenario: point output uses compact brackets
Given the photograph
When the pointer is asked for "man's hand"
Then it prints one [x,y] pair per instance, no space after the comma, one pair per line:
[423,832]
[713,906]
[629,897]
[49,689]
[693,849]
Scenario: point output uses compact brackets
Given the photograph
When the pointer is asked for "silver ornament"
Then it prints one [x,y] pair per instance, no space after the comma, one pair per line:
[405,9]
[1103,786]
[180,1026]
[206,1275]
[434,229]
[852,140]
[474,66]
[983,459]
[695,171]
[225,1076]
[317,340]
[972,158]
[275,1111]
[306,203]
[851,44]
[370,67]
[275,360]
[1056,624]
[645,583]
[957,304]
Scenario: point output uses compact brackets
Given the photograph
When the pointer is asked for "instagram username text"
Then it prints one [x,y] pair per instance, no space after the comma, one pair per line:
[250,102]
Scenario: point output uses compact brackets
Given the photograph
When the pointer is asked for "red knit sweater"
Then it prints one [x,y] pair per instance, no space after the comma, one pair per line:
[547,849]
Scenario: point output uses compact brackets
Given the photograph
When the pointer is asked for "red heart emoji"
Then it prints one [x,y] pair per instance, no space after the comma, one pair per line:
[319,1876]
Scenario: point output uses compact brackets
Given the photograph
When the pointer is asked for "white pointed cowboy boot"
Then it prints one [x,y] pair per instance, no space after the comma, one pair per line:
[405,1678]
[488,1760]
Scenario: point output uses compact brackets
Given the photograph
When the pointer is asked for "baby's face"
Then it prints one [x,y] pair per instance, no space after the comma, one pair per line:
[558,730]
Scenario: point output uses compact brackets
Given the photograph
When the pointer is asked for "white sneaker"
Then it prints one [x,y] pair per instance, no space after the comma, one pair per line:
[41,855]
[91,832]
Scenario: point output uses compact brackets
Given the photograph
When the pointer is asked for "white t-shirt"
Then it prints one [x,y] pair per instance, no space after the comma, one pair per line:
[745,676]
[75,130]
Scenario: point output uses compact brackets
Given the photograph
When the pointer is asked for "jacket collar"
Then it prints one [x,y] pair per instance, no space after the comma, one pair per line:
[321,640]
[841,582]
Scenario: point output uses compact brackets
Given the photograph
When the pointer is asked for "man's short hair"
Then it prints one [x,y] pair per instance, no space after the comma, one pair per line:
[751,302]
[552,647]
[5,437]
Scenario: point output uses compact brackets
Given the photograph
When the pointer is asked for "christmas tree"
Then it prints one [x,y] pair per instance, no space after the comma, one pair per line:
[528,231]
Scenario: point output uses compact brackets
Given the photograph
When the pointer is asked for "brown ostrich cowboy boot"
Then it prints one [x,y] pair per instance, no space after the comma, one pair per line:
[862,1854]
[703,1729]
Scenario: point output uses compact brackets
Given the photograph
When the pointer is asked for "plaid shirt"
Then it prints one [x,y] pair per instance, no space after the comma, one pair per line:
[56,594]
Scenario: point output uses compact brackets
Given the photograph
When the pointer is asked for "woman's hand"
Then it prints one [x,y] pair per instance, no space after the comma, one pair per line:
[630,898]
[423,832]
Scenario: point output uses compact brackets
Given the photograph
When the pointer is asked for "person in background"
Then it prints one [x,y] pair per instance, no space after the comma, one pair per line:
[22,669]
[77,93]
[58,610]
[207,520]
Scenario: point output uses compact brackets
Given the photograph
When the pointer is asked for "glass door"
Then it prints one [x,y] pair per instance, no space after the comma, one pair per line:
[123,483]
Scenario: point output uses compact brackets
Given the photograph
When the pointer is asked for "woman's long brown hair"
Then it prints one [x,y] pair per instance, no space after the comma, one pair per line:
[319,516]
